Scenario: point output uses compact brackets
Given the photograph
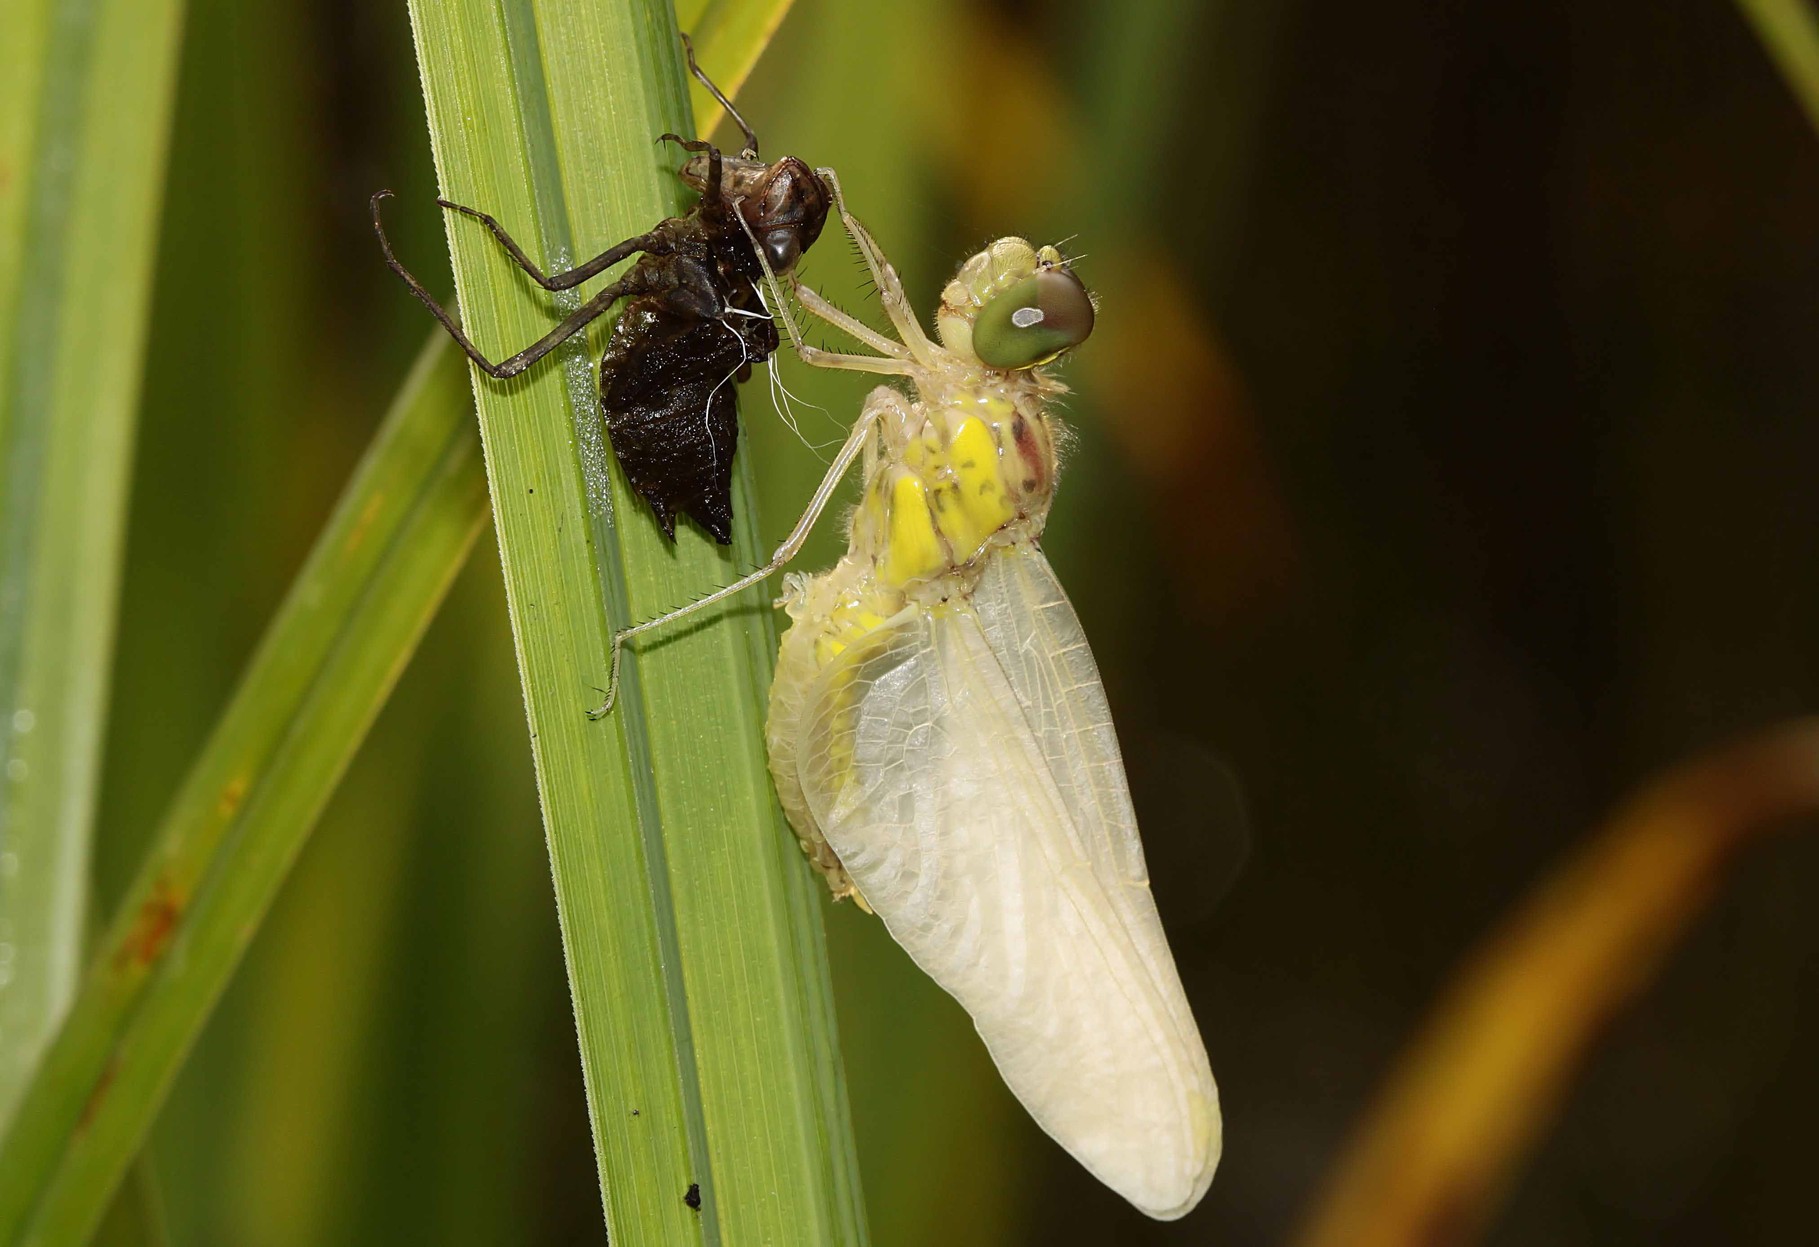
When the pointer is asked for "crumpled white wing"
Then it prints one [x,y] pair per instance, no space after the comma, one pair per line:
[963,765]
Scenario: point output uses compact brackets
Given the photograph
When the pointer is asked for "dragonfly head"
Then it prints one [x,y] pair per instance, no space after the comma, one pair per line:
[1014,306]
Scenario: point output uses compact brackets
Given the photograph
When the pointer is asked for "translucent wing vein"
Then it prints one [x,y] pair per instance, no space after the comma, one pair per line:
[963,766]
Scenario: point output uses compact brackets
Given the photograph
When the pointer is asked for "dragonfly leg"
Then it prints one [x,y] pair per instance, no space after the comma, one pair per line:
[569,278]
[815,357]
[571,324]
[821,309]
[882,400]
[751,139]
[778,304]
[713,199]
[890,286]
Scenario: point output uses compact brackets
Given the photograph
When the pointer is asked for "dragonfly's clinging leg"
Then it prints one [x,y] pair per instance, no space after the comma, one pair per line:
[882,400]
[569,278]
[821,309]
[890,286]
[571,324]
[896,366]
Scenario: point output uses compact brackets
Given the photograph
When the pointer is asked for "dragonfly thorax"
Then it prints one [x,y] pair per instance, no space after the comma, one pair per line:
[956,478]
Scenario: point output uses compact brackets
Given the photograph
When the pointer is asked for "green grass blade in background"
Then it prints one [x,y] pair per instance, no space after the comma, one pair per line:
[353,617]
[1790,33]
[729,37]
[690,923]
[135,1218]
[86,91]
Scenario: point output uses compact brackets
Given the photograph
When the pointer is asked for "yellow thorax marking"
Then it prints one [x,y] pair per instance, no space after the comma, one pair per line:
[912,550]
[943,499]
[985,504]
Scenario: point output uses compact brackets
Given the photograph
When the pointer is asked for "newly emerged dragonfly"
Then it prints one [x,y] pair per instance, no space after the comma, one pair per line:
[941,741]
[694,324]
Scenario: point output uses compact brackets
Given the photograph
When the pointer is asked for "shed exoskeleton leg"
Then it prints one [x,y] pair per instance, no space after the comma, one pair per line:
[574,322]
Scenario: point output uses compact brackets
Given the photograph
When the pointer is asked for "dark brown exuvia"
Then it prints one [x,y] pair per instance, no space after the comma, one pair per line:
[693,325]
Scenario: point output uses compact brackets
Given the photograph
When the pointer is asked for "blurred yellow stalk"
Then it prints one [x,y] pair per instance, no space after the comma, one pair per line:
[1481,1082]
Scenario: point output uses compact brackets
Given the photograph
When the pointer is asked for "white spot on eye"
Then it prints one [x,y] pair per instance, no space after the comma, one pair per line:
[24,721]
[16,769]
[1026,317]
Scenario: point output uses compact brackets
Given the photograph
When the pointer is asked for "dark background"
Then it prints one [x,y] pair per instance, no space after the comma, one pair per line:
[1445,467]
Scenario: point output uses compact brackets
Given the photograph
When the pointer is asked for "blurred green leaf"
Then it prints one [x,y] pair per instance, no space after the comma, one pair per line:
[352,619]
[86,92]
[690,921]
[136,1216]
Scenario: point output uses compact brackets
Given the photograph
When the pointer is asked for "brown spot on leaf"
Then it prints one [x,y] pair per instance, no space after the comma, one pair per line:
[152,927]
[92,1105]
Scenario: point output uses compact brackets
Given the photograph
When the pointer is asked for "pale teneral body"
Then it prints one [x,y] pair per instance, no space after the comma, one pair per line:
[941,741]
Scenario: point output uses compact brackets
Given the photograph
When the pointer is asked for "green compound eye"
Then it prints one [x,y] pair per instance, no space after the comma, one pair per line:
[1033,321]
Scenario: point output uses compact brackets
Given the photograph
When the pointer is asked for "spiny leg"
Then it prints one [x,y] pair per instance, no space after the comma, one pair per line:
[570,278]
[822,309]
[897,366]
[890,286]
[516,364]
[869,251]
[881,400]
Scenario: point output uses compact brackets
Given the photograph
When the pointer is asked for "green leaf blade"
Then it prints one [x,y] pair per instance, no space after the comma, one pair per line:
[351,621]
[87,99]
[664,837]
